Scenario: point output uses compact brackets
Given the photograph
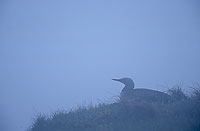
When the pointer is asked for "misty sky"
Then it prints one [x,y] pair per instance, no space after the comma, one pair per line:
[62,54]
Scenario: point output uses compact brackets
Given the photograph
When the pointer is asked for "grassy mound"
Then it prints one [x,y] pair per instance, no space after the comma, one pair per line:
[182,114]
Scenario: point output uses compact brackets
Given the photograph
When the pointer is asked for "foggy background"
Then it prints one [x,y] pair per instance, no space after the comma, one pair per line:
[63,54]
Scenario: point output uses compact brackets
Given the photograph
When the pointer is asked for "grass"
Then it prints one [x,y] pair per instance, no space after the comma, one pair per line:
[177,94]
[182,114]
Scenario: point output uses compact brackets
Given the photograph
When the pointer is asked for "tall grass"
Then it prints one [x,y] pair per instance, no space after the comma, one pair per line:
[177,94]
[181,115]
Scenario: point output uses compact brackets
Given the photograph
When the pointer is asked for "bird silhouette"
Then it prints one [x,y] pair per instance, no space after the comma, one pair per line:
[128,93]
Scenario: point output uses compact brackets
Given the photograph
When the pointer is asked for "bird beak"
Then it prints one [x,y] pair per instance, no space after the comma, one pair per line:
[119,80]
[116,80]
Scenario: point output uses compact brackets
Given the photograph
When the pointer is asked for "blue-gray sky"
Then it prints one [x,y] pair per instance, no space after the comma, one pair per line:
[62,54]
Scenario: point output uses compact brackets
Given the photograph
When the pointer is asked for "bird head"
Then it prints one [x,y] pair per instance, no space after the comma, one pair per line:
[128,82]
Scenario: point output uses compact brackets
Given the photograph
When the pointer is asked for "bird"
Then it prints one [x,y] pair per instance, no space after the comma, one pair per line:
[128,93]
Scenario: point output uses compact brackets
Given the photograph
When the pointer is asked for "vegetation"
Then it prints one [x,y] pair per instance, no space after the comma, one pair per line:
[182,114]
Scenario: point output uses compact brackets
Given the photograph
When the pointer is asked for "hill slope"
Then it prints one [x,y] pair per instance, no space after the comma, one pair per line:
[183,114]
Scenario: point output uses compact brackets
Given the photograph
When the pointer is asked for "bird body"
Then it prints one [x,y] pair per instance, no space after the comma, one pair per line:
[128,93]
[146,95]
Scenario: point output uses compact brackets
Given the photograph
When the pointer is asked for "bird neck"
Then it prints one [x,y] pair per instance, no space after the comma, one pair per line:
[130,87]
